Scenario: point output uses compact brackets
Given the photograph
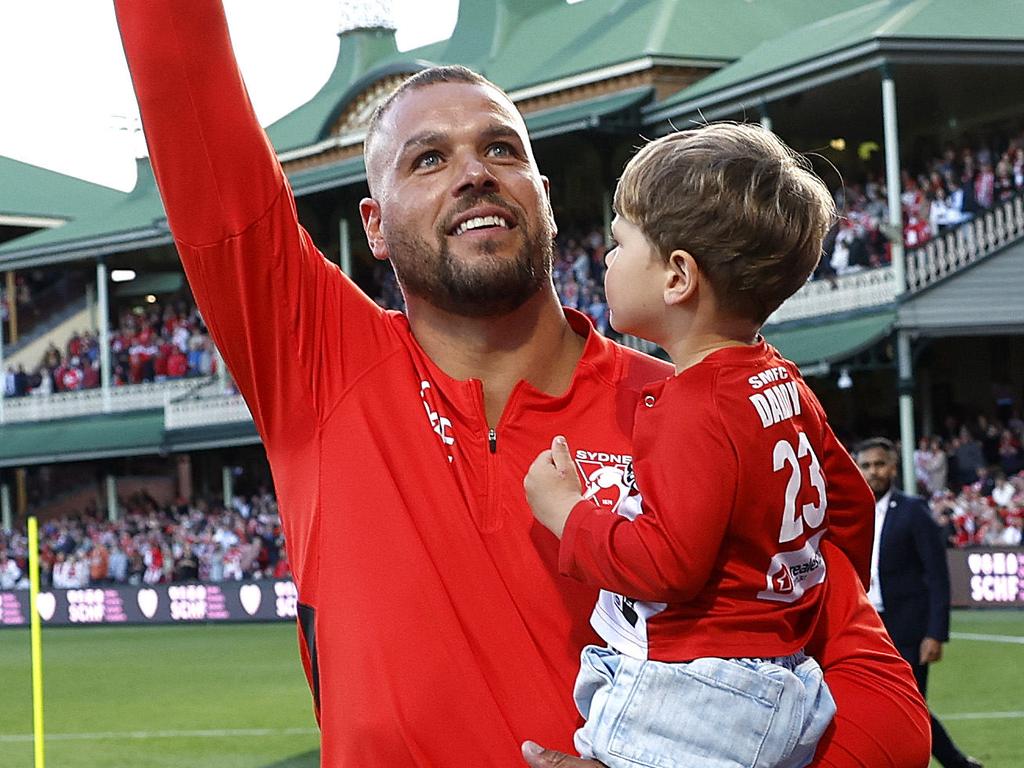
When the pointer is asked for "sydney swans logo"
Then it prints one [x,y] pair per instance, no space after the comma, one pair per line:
[608,480]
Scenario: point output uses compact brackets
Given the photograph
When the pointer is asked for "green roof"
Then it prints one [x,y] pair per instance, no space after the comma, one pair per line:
[133,217]
[157,283]
[587,114]
[565,40]
[853,33]
[319,177]
[826,341]
[533,42]
[30,191]
[94,437]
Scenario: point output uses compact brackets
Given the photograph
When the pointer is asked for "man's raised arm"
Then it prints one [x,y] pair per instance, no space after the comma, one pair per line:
[274,305]
[216,169]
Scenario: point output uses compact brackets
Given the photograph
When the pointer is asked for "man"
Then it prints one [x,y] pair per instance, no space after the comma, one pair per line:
[909,579]
[435,629]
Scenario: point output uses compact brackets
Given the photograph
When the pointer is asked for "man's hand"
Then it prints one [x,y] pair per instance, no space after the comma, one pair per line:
[538,757]
[553,487]
[931,650]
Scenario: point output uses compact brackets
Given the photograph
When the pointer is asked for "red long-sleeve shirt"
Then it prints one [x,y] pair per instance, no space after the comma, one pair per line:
[436,630]
[740,477]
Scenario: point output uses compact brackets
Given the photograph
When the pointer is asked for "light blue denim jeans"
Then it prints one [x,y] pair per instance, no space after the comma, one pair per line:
[711,713]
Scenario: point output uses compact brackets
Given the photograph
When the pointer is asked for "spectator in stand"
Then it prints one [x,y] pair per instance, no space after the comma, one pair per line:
[1004,188]
[984,186]
[969,457]
[99,562]
[1011,456]
[10,573]
[186,566]
[117,565]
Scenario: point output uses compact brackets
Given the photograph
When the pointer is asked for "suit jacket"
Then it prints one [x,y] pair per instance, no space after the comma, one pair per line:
[913,573]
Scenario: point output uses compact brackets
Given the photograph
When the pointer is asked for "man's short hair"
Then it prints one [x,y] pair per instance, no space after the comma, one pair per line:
[748,209]
[884,443]
[450,73]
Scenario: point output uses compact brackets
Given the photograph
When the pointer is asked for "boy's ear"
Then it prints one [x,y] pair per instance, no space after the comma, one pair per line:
[682,278]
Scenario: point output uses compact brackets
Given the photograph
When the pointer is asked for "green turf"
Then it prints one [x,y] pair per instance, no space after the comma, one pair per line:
[148,679]
[221,678]
[983,677]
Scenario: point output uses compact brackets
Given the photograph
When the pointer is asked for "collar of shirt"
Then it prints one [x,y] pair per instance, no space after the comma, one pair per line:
[882,506]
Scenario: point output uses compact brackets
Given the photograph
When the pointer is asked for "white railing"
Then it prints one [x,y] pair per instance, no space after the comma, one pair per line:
[870,288]
[204,411]
[89,402]
[937,259]
[964,245]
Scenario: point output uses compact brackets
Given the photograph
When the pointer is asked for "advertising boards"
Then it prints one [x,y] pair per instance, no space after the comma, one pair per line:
[157,604]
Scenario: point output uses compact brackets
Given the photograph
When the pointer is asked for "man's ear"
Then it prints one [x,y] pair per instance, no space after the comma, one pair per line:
[682,277]
[369,212]
[551,214]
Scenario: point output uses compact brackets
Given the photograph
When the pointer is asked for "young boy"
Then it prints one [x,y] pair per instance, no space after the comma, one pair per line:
[712,584]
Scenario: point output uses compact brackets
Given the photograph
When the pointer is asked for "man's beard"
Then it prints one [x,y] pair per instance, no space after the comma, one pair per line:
[484,284]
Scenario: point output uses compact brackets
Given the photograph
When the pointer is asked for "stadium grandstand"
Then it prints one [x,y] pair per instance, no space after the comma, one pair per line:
[908,325]
[121,430]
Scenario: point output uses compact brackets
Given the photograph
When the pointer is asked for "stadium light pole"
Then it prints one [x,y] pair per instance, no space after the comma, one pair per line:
[103,321]
[904,360]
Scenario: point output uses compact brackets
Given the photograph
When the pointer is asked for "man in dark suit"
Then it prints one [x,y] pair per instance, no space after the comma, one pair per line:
[909,579]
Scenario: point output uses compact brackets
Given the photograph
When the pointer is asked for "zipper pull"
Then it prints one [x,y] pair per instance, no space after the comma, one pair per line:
[492,440]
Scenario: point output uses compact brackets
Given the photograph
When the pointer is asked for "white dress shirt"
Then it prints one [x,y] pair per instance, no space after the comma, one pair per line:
[875,589]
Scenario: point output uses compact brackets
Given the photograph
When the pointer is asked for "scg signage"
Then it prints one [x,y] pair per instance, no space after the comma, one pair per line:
[988,578]
[160,604]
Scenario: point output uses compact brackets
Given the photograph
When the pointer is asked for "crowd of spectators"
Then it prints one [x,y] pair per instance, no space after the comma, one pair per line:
[577,268]
[150,544]
[151,344]
[973,475]
[948,191]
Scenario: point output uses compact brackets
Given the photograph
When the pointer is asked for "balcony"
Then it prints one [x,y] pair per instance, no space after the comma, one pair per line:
[89,402]
[938,259]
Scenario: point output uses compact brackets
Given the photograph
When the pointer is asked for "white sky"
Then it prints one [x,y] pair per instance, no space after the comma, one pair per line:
[67,101]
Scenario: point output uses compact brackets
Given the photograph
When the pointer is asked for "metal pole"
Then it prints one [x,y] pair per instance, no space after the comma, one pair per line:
[6,518]
[12,306]
[344,247]
[90,307]
[892,181]
[228,483]
[766,122]
[906,390]
[112,511]
[104,332]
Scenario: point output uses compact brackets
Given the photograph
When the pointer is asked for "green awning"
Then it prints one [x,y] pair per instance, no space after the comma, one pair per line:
[93,437]
[321,177]
[156,283]
[211,436]
[623,107]
[827,342]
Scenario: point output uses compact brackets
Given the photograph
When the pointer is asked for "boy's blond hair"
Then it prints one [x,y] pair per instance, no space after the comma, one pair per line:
[748,209]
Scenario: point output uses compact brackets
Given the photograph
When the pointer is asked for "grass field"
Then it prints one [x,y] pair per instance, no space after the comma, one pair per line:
[235,697]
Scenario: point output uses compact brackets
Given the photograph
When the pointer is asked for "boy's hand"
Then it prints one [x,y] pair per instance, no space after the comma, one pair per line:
[553,487]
